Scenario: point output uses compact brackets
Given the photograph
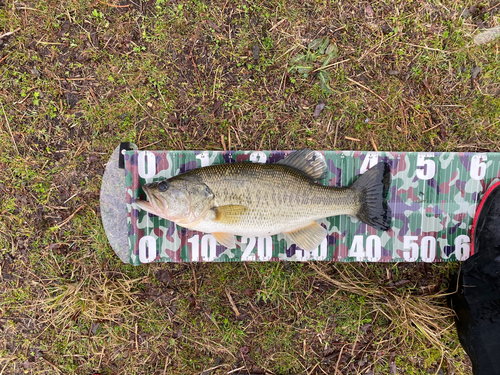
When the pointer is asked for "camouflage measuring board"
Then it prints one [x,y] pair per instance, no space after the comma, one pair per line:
[433,197]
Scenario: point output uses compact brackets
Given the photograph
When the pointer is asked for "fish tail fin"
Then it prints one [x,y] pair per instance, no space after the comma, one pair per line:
[373,187]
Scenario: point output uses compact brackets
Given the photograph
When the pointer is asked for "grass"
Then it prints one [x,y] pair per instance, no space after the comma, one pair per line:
[78,77]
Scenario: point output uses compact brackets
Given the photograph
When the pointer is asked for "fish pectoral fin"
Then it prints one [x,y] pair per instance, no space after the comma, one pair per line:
[308,238]
[309,162]
[225,239]
[230,214]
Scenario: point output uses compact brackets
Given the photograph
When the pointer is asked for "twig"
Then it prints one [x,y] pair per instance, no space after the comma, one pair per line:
[77,79]
[373,143]
[233,305]
[115,6]
[60,225]
[353,139]
[223,142]
[428,130]
[337,131]
[136,342]
[329,65]
[195,280]
[194,64]
[7,55]
[10,33]
[10,131]
[208,370]
[425,47]
[8,360]
[236,369]
[366,88]
[53,366]
[338,359]
[357,333]
[167,361]
[276,25]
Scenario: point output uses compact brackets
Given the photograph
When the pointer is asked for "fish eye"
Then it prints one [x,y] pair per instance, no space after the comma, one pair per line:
[163,186]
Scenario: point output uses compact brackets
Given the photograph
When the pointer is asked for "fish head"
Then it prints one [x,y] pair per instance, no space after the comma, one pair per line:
[182,200]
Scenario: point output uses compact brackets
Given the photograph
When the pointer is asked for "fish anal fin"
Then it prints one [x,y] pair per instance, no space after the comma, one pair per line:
[229,214]
[307,161]
[225,239]
[309,237]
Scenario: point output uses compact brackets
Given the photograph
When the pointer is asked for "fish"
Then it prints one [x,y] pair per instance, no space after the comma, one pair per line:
[254,199]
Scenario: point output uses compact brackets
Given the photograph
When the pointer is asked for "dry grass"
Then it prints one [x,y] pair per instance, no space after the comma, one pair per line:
[424,318]
[94,298]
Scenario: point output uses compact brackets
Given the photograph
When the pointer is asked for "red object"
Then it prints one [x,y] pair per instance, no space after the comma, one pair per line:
[474,222]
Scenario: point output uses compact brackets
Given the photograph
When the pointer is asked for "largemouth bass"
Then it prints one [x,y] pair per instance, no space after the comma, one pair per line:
[251,199]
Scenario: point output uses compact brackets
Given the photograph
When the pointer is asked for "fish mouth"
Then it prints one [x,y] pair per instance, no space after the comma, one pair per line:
[152,205]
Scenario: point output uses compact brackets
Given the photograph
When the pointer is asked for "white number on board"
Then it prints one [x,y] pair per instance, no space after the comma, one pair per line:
[478,166]
[371,160]
[208,248]
[204,158]
[258,157]
[372,251]
[265,248]
[426,168]
[427,249]
[147,249]
[320,253]
[195,248]
[462,247]
[247,254]
[147,164]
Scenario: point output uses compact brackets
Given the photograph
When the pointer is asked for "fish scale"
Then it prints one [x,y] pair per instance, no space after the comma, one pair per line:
[278,197]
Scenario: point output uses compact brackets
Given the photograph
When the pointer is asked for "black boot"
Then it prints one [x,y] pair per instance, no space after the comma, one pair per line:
[476,290]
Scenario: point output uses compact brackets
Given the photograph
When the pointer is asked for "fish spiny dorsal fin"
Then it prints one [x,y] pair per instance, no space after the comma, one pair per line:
[309,162]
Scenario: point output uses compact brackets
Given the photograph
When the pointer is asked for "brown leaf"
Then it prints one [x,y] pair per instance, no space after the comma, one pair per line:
[399,283]
[64,28]
[366,327]
[369,11]
[442,132]
[164,276]
[173,119]
[94,327]
[392,365]
[256,52]
[213,26]
[319,108]
[216,111]
[94,39]
[244,350]
[474,72]
[192,301]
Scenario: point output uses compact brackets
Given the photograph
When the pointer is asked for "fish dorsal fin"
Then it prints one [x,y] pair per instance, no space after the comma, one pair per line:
[309,162]
[308,238]
[225,239]
[229,214]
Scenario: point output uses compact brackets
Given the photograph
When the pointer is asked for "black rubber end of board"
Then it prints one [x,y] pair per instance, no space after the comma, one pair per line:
[127,146]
